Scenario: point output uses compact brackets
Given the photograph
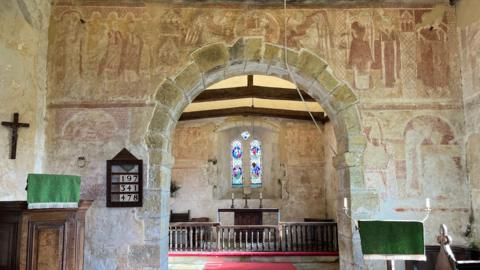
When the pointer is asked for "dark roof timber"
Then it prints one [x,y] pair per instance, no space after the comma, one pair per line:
[249,111]
[252,91]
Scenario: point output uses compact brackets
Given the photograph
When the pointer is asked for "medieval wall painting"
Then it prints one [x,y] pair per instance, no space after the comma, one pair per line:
[360,57]
[407,37]
[432,55]
[470,53]
[126,51]
[69,44]
[193,138]
[90,125]
[430,141]
[378,157]
[387,48]
[258,23]
[312,30]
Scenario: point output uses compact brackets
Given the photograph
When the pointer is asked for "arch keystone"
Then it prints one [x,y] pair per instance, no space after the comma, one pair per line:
[211,56]
[253,49]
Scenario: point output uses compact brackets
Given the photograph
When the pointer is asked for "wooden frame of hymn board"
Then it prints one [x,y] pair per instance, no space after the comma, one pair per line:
[124,180]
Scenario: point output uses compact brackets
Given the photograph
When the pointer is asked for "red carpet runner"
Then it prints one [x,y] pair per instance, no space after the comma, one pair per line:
[249,266]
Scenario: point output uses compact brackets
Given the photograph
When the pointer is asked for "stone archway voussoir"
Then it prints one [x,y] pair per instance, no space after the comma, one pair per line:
[210,57]
[246,49]
[327,80]
[171,96]
[161,121]
[343,97]
[189,79]
[310,64]
[351,119]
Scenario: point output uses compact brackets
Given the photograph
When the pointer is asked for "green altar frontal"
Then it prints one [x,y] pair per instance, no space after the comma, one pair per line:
[53,191]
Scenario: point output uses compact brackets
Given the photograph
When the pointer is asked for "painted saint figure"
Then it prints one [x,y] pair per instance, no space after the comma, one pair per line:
[360,57]
[318,35]
[433,63]
[110,62]
[70,46]
[387,52]
[132,45]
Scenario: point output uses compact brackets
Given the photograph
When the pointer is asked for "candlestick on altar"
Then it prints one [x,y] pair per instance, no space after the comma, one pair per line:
[428,209]
[261,199]
[233,199]
[246,201]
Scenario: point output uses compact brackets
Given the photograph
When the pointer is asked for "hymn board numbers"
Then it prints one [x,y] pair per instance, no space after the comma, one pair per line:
[124,180]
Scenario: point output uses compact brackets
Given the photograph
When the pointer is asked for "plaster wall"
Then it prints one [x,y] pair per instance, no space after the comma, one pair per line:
[297,177]
[23,75]
[469,36]
[106,61]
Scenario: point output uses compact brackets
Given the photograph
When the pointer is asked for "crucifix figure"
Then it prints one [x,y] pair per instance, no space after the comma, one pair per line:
[15,125]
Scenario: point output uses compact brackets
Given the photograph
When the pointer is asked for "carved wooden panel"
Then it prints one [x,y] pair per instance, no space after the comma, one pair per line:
[9,238]
[8,245]
[47,244]
[41,239]
[248,218]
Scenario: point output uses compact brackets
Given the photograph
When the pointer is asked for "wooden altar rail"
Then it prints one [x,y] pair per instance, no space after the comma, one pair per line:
[287,236]
[193,236]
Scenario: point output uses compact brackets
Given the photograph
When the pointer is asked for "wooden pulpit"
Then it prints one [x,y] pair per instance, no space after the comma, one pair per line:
[41,238]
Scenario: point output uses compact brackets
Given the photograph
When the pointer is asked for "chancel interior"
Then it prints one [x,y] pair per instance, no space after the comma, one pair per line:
[239,134]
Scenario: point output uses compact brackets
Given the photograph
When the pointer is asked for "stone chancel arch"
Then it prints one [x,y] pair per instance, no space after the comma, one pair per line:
[251,55]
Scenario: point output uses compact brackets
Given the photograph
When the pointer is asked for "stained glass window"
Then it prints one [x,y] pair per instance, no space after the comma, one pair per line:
[256,163]
[254,170]
[237,168]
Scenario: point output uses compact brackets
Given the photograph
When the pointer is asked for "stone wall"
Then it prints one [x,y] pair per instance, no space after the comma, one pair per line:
[23,62]
[469,33]
[106,62]
[303,179]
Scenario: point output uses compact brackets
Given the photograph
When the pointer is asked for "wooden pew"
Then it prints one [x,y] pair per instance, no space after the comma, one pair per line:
[446,259]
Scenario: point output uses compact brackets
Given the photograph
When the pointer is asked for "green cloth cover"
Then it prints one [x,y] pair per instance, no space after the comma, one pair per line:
[390,240]
[53,191]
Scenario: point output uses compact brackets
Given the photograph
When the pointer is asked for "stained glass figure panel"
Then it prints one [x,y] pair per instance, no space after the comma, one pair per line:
[236,163]
[256,163]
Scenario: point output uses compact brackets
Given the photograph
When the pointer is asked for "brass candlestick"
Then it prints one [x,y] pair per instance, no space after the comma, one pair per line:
[246,201]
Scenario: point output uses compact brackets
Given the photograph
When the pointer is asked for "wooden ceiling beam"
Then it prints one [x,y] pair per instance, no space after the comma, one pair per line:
[251,91]
[249,111]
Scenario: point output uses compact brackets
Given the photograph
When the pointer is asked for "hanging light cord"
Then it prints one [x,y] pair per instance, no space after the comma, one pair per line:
[291,75]
[253,119]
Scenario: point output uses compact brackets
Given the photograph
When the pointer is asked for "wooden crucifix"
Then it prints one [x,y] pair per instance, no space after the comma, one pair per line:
[15,125]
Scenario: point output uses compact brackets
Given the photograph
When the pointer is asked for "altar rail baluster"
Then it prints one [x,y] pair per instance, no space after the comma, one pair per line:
[287,236]
[309,236]
[248,237]
[192,236]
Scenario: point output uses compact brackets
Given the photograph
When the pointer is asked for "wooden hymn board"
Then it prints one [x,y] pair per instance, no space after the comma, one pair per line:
[124,180]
